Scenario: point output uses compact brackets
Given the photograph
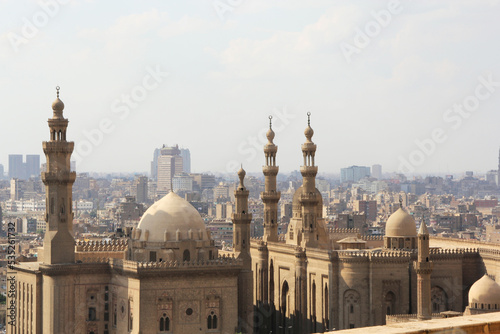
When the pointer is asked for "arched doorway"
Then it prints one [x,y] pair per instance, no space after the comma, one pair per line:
[390,303]
[439,300]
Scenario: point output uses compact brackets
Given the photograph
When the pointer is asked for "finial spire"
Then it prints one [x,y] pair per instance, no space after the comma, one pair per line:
[57,88]
[241,175]
[400,201]
[309,118]
[270,121]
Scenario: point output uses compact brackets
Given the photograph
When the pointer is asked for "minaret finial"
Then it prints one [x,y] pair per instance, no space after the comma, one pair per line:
[270,122]
[309,118]
[241,175]
[57,88]
[400,201]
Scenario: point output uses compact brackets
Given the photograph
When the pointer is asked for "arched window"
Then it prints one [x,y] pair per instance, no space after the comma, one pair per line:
[327,311]
[283,303]
[164,323]
[186,256]
[313,306]
[212,320]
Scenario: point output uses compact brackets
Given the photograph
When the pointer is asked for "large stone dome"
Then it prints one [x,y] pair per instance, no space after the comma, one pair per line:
[174,215]
[484,291]
[400,224]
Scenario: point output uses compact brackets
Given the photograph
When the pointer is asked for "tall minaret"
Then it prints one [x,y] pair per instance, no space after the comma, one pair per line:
[241,244]
[59,244]
[309,198]
[270,196]
[424,269]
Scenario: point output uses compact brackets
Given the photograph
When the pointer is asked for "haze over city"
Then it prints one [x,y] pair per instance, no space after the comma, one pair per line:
[382,81]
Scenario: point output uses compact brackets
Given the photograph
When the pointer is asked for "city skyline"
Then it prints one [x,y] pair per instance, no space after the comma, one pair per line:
[216,75]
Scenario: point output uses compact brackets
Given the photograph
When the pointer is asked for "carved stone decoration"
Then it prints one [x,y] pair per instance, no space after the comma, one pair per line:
[189,312]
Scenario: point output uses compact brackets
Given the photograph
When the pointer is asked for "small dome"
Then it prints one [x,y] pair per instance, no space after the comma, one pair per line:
[400,224]
[171,213]
[241,173]
[58,105]
[309,132]
[484,291]
[270,135]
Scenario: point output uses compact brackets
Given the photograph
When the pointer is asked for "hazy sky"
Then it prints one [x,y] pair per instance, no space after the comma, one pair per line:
[411,85]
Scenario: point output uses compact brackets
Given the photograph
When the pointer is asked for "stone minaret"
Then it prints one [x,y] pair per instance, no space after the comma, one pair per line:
[309,197]
[424,269]
[270,196]
[59,244]
[241,244]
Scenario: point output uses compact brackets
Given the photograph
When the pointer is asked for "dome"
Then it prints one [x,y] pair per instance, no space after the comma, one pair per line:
[174,215]
[309,132]
[484,291]
[400,224]
[58,105]
[270,135]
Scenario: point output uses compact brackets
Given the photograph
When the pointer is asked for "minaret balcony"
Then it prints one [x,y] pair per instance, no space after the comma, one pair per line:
[58,177]
[311,198]
[270,196]
[270,170]
[242,217]
[270,148]
[58,147]
[308,171]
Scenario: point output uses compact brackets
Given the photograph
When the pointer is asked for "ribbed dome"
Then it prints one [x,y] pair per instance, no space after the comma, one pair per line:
[171,214]
[400,224]
[485,291]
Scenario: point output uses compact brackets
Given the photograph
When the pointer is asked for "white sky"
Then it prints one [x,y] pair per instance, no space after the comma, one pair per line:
[228,71]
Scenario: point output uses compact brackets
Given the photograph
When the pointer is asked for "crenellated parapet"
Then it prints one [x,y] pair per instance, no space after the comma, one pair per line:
[102,246]
[372,237]
[344,230]
[438,254]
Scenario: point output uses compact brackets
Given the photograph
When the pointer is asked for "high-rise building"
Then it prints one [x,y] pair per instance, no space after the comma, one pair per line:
[17,187]
[169,164]
[182,182]
[186,160]
[32,166]
[141,194]
[1,172]
[154,164]
[16,167]
[377,171]
[354,173]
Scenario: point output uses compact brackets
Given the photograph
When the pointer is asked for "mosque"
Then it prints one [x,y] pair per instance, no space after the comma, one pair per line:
[168,276]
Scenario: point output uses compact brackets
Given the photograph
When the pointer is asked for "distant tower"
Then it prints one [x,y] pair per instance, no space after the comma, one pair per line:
[424,269]
[169,164]
[59,244]
[270,196]
[241,245]
[186,160]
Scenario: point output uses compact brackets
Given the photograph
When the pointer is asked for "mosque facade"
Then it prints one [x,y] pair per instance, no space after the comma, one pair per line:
[305,282]
[168,276]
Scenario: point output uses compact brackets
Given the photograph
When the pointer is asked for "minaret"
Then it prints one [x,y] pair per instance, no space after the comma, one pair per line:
[241,220]
[309,197]
[241,244]
[270,196]
[424,269]
[59,244]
